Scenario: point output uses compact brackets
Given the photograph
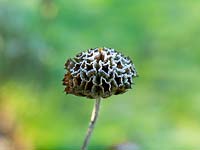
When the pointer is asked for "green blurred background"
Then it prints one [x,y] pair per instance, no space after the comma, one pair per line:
[162,111]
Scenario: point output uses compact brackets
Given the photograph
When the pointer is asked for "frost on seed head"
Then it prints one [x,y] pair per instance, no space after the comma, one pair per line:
[99,72]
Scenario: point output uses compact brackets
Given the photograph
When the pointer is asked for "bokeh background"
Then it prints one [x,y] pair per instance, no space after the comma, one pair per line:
[162,111]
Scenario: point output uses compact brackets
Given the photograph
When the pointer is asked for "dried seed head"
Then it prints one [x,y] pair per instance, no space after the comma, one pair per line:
[98,72]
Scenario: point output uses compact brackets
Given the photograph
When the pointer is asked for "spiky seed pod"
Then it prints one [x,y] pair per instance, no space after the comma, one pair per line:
[99,72]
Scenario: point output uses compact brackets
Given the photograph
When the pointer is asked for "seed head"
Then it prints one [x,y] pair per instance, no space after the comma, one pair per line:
[99,72]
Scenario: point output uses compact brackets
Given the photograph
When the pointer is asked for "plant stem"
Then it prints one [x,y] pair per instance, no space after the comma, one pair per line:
[93,120]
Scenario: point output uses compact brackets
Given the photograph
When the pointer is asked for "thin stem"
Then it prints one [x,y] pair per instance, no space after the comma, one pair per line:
[93,120]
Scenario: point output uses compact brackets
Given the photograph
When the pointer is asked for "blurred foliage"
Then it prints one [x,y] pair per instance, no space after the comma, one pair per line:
[162,37]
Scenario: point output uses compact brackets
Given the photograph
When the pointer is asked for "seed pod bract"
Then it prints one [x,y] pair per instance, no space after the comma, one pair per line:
[99,72]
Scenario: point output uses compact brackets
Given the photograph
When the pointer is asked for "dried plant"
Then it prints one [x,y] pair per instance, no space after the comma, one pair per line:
[98,73]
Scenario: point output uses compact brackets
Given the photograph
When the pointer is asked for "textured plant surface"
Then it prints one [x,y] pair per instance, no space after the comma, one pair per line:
[99,72]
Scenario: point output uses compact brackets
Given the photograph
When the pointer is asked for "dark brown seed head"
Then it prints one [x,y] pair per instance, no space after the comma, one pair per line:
[99,72]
